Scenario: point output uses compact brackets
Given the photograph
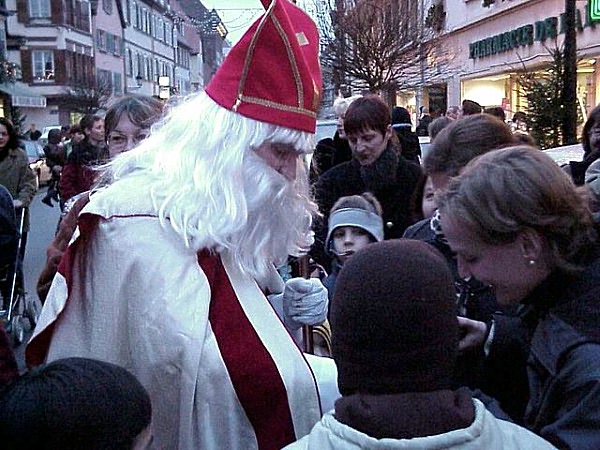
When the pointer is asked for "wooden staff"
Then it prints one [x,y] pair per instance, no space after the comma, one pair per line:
[307,330]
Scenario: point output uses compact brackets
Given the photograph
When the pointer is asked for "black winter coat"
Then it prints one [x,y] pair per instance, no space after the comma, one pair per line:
[347,179]
[558,334]
[331,152]
[410,147]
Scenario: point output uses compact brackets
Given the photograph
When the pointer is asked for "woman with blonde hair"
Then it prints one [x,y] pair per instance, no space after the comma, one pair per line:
[516,222]
[331,151]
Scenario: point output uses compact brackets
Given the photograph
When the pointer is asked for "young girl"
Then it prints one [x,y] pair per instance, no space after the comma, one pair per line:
[354,222]
[127,123]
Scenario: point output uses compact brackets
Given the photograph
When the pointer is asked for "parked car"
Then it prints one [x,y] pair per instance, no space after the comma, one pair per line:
[44,137]
[564,154]
[37,160]
[425,144]
[325,129]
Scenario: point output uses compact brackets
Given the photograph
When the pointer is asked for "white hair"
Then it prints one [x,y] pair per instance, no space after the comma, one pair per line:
[206,182]
[341,104]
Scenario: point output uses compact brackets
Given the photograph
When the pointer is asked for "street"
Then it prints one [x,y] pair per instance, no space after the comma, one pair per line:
[43,225]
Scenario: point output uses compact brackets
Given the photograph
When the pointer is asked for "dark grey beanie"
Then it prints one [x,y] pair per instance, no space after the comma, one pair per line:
[393,320]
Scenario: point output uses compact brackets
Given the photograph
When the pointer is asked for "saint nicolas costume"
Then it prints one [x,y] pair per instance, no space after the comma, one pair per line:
[195,329]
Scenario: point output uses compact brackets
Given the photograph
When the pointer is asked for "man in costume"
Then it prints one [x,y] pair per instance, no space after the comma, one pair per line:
[168,272]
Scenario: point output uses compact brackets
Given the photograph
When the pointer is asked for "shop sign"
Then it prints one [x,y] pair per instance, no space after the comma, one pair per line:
[526,35]
[594,10]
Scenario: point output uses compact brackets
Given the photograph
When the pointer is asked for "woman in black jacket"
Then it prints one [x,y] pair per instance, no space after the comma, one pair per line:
[376,167]
[516,222]
[55,160]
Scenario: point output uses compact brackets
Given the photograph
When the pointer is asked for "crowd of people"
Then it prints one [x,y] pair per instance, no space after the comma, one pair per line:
[455,293]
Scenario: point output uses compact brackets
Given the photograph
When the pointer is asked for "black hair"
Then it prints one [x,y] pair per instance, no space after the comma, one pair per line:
[74,403]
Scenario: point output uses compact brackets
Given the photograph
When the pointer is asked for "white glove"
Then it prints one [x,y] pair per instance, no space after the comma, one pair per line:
[305,302]
[17,203]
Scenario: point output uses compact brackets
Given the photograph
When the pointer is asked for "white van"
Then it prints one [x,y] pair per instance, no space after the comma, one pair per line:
[44,137]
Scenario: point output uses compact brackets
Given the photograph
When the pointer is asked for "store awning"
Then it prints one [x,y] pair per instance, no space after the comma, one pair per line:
[22,95]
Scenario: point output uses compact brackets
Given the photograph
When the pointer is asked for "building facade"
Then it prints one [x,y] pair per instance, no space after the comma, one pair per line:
[13,93]
[494,41]
[75,55]
[52,42]
[108,22]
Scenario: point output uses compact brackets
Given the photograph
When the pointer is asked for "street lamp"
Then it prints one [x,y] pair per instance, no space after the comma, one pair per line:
[138,83]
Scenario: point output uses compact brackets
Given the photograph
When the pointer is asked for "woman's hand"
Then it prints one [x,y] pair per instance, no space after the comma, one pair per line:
[472,333]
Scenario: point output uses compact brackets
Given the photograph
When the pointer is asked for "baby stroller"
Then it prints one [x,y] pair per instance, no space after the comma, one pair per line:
[14,305]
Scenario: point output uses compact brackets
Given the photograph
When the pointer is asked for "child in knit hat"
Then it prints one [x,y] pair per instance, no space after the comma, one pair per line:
[354,222]
[395,342]
[75,403]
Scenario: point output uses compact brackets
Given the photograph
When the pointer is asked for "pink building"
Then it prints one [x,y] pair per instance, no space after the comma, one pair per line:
[108,21]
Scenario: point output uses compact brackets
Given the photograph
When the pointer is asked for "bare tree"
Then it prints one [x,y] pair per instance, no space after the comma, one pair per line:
[85,97]
[381,45]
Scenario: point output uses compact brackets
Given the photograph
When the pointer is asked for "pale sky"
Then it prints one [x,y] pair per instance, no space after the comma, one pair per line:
[237,15]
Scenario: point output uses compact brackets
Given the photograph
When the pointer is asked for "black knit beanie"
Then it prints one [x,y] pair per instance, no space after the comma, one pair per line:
[74,403]
[393,320]
[400,115]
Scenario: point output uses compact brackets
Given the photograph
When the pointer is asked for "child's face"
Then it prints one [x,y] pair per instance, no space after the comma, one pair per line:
[77,137]
[349,240]
[595,136]
[428,203]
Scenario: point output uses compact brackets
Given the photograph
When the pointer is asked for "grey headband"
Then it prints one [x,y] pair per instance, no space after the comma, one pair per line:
[355,217]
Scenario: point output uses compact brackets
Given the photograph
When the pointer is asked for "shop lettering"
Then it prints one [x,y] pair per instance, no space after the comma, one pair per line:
[502,42]
[546,29]
[526,35]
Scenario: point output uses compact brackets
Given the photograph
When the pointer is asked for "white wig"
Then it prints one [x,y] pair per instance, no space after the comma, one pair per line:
[209,186]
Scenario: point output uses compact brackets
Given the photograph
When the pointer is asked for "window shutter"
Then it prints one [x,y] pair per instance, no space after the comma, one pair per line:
[26,69]
[22,11]
[60,67]
[56,13]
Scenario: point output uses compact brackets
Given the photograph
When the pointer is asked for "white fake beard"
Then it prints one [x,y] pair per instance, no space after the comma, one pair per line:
[279,218]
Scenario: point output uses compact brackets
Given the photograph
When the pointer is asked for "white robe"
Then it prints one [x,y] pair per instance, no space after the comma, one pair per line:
[129,292]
